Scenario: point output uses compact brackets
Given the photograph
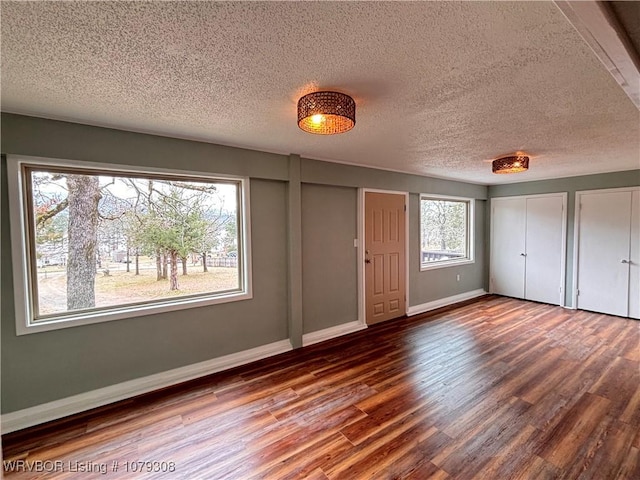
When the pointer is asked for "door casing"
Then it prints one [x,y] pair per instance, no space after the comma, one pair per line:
[362,308]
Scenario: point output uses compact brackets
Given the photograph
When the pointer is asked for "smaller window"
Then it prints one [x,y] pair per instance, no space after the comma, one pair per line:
[446,236]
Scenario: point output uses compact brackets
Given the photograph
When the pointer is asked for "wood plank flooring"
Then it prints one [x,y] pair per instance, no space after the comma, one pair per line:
[492,389]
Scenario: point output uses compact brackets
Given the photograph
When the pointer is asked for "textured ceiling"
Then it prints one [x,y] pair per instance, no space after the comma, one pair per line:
[441,87]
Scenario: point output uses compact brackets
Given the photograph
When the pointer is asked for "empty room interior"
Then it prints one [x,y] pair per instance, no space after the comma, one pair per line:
[324,240]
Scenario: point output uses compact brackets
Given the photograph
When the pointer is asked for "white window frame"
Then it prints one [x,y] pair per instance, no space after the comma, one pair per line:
[470,257]
[22,283]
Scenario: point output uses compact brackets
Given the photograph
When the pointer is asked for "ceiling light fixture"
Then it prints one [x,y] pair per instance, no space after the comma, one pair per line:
[511,164]
[326,113]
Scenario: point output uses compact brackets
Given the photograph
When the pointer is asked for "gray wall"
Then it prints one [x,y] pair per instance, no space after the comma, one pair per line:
[47,366]
[571,185]
[329,280]
[73,141]
[315,171]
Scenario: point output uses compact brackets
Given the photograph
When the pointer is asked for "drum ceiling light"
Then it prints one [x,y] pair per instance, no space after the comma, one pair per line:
[326,113]
[511,164]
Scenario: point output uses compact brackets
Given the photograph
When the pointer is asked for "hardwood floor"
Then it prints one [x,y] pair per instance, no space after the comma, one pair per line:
[493,389]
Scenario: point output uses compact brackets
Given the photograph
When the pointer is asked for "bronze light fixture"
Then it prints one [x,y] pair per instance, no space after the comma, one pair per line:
[326,113]
[511,164]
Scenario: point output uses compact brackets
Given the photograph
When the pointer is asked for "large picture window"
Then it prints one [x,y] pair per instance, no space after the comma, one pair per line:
[99,243]
[446,235]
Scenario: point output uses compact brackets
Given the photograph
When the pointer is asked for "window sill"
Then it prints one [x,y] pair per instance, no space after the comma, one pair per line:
[88,318]
[445,264]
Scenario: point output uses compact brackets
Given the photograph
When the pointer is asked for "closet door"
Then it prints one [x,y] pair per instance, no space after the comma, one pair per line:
[634,259]
[508,246]
[603,252]
[544,249]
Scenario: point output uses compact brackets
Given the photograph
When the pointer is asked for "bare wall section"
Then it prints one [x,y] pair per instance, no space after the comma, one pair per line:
[329,286]
[39,137]
[316,171]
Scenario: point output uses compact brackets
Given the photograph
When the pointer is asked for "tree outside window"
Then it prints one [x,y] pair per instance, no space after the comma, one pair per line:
[444,228]
[104,239]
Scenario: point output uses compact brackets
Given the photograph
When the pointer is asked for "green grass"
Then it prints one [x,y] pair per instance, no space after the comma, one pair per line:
[121,287]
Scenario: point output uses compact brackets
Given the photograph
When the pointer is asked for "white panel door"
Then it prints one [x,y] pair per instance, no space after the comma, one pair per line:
[508,246]
[544,249]
[385,284]
[603,252]
[634,259]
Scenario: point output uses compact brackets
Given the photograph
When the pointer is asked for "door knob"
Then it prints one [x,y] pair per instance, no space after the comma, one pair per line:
[624,261]
[523,254]
[366,260]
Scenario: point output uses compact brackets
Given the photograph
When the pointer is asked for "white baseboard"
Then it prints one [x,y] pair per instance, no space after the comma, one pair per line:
[332,332]
[443,302]
[96,398]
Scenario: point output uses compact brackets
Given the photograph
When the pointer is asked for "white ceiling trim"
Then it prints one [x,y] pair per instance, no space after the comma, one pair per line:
[608,40]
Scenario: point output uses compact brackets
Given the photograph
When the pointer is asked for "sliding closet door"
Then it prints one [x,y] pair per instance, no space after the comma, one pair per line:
[528,247]
[508,246]
[544,249]
[634,259]
[603,252]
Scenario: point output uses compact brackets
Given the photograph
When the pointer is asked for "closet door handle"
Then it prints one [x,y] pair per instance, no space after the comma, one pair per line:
[523,254]
[624,261]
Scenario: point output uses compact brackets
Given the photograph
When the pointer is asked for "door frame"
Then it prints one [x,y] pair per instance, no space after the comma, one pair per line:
[563,270]
[359,244]
[576,233]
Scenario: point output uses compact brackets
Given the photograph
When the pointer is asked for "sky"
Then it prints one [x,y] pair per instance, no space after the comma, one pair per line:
[118,187]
